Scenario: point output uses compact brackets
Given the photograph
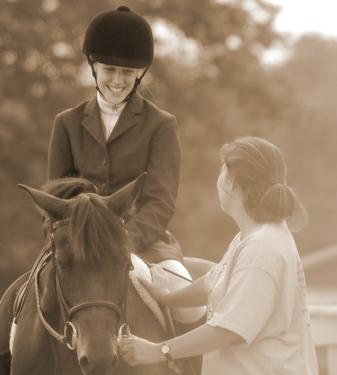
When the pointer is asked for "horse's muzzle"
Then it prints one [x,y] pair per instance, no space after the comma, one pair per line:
[98,365]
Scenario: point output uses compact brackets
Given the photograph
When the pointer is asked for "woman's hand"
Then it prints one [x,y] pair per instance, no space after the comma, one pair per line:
[137,351]
[157,288]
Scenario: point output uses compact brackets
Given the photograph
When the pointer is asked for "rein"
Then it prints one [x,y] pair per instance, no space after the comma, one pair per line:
[61,338]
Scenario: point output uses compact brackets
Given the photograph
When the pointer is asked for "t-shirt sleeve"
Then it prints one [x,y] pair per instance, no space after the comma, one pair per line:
[209,276]
[247,303]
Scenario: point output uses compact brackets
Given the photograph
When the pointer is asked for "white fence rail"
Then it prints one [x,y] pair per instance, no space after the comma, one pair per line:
[324,330]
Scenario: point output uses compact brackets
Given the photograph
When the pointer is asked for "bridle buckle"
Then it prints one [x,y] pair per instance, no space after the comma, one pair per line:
[70,335]
[124,330]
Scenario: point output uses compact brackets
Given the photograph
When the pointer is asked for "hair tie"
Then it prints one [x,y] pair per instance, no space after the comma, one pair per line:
[275,184]
[270,187]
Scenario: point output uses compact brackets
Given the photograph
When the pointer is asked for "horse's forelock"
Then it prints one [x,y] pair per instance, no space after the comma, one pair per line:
[96,231]
[68,187]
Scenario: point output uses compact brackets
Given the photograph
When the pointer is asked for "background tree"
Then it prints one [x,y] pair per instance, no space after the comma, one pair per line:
[207,71]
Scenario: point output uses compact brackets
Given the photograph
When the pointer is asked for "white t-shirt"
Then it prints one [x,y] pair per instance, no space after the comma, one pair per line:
[258,291]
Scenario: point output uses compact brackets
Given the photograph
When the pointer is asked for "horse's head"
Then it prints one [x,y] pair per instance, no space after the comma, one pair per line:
[91,263]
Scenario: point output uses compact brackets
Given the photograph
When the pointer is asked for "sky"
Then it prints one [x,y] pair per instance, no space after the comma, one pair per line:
[298,17]
[303,16]
[295,18]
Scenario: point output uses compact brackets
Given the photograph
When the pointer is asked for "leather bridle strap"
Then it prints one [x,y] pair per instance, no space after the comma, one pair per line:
[85,305]
[56,335]
[23,291]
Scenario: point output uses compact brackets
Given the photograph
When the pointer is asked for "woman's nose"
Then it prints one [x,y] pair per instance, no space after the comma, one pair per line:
[117,77]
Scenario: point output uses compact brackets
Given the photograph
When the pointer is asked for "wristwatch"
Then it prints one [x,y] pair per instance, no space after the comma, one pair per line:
[165,349]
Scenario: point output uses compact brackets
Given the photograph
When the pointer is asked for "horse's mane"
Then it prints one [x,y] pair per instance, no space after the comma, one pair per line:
[69,187]
[95,231]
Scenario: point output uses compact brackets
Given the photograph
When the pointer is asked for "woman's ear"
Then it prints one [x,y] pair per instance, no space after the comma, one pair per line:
[228,184]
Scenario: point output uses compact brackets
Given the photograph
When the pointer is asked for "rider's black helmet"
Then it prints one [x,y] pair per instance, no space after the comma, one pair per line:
[119,37]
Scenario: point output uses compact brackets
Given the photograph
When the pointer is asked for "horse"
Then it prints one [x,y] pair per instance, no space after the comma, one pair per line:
[66,188]
[79,296]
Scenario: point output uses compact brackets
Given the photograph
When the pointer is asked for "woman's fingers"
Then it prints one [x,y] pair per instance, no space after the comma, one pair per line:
[126,350]
[135,350]
[126,342]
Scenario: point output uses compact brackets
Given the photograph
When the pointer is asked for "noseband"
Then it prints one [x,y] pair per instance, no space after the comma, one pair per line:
[70,335]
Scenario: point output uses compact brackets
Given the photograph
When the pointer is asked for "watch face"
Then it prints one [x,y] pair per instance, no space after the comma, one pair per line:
[165,349]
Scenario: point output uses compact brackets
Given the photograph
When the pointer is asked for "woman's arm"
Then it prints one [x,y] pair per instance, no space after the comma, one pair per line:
[192,295]
[201,340]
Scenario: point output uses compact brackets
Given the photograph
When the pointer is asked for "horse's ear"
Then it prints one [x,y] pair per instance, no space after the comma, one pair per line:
[122,201]
[56,207]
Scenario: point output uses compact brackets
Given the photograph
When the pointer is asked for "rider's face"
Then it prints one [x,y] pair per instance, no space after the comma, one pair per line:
[115,82]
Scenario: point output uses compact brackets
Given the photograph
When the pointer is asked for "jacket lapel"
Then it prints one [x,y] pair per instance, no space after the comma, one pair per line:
[92,121]
[129,117]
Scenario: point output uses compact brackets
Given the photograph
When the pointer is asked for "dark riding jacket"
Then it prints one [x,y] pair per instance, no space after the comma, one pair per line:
[143,139]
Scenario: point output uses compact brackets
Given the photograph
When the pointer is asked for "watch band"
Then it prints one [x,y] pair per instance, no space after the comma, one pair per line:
[168,357]
[165,349]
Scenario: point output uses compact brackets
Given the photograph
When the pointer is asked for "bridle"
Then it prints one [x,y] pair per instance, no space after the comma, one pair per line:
[70,335]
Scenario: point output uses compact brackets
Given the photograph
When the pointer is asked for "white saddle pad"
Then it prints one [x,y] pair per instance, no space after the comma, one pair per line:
[141,269]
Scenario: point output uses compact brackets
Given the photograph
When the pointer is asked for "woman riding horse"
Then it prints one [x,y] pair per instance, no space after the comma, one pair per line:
[118,134]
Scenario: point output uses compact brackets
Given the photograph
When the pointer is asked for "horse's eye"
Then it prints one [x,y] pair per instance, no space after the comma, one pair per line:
[63,260]
[62,243]
[64,265]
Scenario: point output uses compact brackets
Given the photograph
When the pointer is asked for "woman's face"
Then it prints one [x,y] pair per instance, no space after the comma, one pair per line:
[115,82]
[225,188]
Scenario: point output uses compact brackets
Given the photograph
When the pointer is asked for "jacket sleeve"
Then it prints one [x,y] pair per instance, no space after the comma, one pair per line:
[159,192]
[60,161]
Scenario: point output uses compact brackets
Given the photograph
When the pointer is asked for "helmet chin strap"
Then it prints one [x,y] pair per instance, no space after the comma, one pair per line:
[138,80]
[93,72]
[135,86]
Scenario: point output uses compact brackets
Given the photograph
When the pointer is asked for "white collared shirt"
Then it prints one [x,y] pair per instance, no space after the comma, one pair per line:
[109,114]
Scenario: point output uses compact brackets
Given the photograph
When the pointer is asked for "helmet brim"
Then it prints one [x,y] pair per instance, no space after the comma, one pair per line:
[120,61]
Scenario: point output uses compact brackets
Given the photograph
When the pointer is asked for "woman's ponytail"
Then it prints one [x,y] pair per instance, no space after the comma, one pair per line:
[259,169]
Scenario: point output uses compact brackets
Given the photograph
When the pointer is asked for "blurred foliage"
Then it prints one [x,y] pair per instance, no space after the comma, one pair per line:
[218,91]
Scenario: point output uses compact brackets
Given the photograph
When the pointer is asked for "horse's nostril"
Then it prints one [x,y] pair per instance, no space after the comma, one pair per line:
[85,364]
[114,361]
